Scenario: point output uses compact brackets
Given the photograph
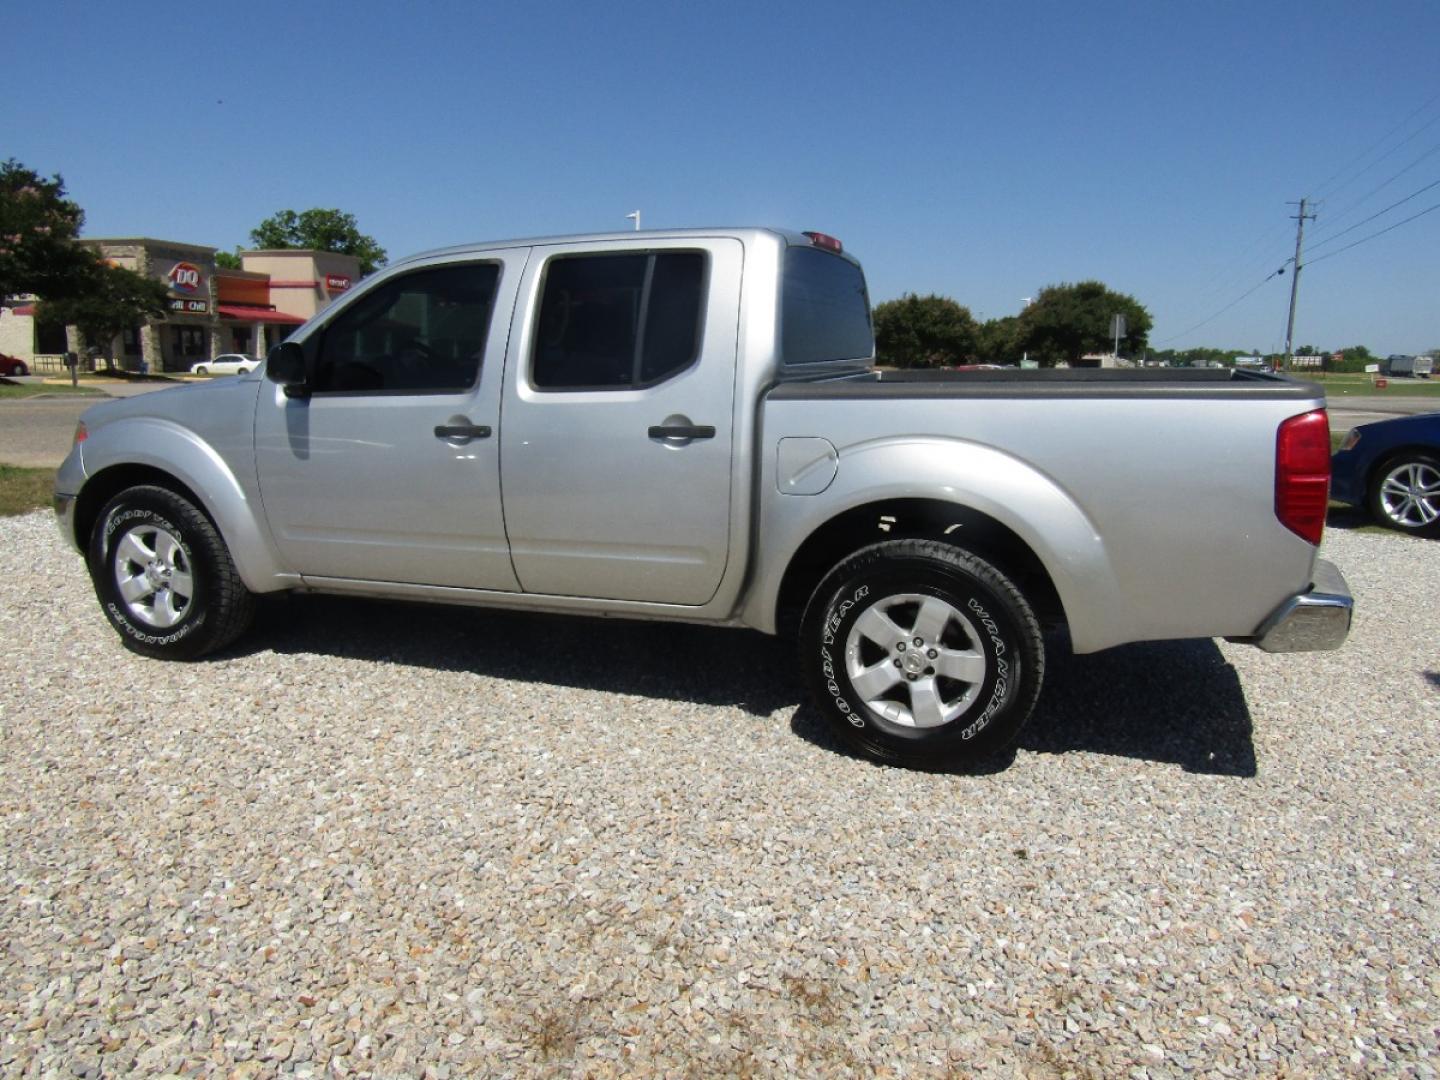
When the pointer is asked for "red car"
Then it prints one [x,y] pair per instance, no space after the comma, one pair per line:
[10,365]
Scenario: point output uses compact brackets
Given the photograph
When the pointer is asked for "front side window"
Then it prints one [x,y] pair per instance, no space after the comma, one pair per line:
[421,333]
[618,322]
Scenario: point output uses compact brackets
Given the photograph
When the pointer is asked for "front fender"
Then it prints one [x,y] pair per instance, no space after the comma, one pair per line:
[1023,499]
[171,448]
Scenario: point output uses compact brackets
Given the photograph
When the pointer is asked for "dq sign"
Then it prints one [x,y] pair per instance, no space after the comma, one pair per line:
[185,277]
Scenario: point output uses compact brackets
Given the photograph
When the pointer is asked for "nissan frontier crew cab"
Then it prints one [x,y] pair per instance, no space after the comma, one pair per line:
[689,425]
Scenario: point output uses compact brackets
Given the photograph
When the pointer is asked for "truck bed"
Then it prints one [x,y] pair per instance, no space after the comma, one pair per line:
[1149,495]
[1205,383]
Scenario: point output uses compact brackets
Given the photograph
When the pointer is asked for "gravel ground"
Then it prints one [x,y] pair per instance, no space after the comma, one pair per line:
[390,841]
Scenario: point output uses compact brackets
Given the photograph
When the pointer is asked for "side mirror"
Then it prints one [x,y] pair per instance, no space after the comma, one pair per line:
[285,366]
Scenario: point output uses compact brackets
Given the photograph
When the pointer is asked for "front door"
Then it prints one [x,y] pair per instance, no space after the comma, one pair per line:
[390,471]
[617,436]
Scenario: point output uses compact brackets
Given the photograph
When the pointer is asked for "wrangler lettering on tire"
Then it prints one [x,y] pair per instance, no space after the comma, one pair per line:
[922,654]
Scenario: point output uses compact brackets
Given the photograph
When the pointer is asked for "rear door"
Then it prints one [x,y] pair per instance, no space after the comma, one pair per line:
[616,438]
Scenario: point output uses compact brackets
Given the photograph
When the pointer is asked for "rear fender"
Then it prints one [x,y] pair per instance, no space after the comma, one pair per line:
[1029,503]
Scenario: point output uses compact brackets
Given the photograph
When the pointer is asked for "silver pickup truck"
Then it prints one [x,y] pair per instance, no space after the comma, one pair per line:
[688,425]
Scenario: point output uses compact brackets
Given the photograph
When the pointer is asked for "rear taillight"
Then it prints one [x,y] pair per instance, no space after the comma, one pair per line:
[1302,474]
[81,433]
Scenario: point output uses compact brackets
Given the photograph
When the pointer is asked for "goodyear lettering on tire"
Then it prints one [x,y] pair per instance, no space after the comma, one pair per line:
[827,661]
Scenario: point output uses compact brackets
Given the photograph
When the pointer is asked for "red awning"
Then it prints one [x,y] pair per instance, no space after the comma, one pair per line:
[247,313]
[24,309]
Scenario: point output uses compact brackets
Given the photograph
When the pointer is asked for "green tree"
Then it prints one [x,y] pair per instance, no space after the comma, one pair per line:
[228,260]
[924,332]
[998,341]
[319,230]
[38,230]
[115,299]
[1065,322]
[1353,358]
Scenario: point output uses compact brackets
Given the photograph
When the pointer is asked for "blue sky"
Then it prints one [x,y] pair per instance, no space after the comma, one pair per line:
[980,151]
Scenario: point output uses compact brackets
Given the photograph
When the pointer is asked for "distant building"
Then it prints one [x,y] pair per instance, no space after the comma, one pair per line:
[212,310]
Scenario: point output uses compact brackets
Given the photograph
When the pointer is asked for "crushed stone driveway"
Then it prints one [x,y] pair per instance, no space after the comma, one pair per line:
[387,841]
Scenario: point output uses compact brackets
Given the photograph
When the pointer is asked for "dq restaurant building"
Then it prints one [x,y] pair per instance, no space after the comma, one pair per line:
[211,310]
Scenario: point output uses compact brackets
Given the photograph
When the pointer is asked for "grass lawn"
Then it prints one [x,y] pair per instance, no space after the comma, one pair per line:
[23,490]
[26,390]
[1362,386]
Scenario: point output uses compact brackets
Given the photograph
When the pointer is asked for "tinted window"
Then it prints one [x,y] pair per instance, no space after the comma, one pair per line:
[618,321]
[825,311]
[421,333]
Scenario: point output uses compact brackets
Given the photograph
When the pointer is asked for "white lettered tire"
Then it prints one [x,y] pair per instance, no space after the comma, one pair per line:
[164,577]
[922,654]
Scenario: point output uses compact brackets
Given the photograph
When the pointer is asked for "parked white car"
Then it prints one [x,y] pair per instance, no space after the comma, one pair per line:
[226,364]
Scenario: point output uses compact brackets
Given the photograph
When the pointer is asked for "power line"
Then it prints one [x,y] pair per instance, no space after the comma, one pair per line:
[1224,280]
[1227,307]
[1321,258]
[1219,281]
[1381,187]
[1378,213]
[1372,236]
[1380,142]
[1364,166]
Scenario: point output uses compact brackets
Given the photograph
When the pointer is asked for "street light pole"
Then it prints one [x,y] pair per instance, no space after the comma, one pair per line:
[635,214]
[1025,303]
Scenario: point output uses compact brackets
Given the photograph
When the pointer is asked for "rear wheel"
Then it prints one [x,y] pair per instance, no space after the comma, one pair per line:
[922,654]
[1406,494]
[164,576]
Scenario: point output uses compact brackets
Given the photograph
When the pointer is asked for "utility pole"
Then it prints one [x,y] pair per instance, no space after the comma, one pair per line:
[1295,282]
[635,216]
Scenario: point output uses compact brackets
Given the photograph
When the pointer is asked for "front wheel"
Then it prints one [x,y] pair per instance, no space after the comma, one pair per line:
[1406,494]
[922,654]
[164,576]
[202,370]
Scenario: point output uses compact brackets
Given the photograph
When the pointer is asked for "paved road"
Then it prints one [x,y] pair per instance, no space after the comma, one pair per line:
[1346,413]
[36,432]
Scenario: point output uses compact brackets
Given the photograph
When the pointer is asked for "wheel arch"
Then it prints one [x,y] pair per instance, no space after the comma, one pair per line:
[1009,512]
[915,518]
[207,484]
[105,485]
[1388,457]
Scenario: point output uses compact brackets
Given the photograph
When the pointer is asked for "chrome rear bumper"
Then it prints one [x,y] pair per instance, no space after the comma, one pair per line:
[1311,621]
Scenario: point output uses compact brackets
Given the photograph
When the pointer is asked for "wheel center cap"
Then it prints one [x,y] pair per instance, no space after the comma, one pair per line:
[914,663]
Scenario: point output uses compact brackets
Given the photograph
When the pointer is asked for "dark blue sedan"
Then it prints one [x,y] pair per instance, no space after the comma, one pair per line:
[1392,469]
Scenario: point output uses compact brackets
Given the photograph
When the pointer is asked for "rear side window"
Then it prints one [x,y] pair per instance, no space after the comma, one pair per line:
[421,333]
[825,310]
[616,322]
